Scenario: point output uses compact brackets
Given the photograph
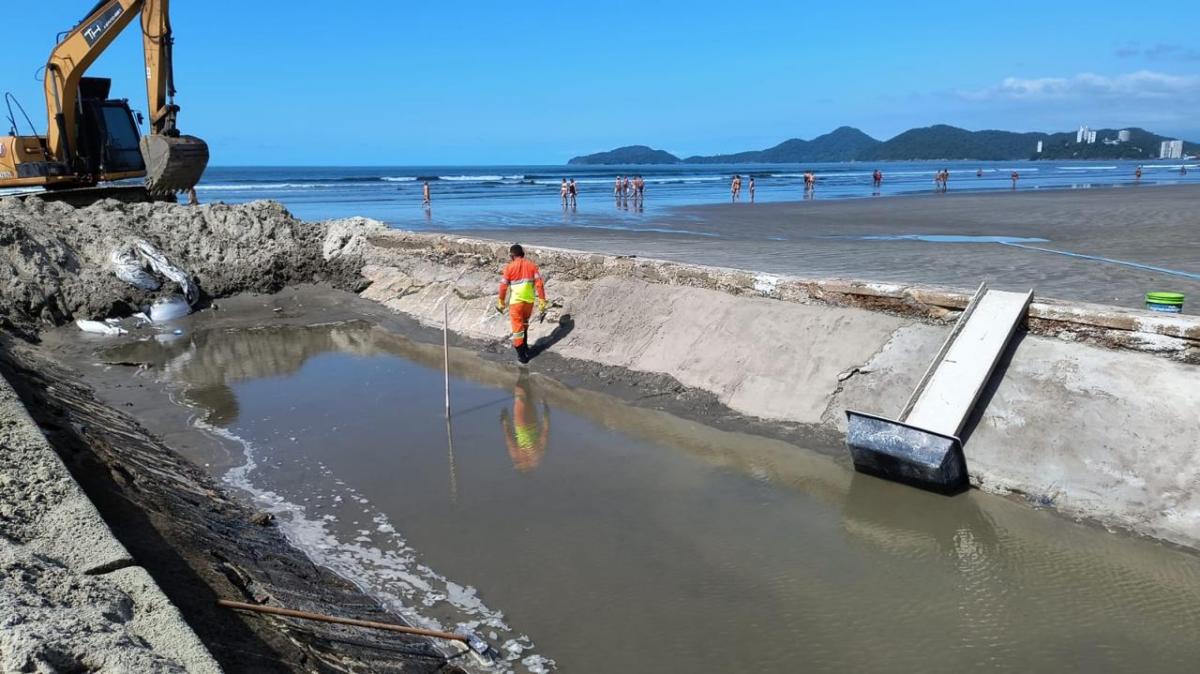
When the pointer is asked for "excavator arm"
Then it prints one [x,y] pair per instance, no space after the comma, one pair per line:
[67,64]
[173,162]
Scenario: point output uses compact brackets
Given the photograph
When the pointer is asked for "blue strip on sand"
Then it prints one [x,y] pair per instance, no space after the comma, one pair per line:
[1135,265]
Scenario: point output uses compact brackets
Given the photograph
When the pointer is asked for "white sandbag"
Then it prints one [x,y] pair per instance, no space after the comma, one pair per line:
[169,309]
[99,328]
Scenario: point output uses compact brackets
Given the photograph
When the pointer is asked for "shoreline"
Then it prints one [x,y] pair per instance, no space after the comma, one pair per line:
[826,239]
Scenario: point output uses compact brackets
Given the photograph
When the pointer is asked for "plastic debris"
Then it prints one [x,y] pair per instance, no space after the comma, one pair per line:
[99,328]
[130,264]
[130,269]
[169,309]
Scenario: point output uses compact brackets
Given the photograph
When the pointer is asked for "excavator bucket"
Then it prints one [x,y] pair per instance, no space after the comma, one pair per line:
[173,164]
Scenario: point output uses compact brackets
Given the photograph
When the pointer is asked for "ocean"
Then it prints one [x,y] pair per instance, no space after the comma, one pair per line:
[503,197]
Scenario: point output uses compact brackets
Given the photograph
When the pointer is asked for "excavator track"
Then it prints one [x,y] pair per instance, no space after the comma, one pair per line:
[80,197]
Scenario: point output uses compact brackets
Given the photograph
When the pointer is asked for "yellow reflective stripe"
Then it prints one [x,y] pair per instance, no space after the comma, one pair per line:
[526,435]
[523,291]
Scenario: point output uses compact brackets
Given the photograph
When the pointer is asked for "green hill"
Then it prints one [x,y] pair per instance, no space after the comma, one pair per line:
[940,141]
[630,154]
[1141,145]
[949,142]
[844,143]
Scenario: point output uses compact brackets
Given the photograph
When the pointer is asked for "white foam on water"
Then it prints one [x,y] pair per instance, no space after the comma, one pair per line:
[380,563]
[1086,168]
[480,179]
[398,179]
[239,187]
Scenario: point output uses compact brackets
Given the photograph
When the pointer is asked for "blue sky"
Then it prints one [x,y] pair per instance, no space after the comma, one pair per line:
[375,82]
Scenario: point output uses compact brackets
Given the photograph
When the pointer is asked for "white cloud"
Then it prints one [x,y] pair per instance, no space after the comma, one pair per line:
[1158,52]
[1143,85]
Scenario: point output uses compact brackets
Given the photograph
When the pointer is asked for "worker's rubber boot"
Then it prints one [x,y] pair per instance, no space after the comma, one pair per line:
[523,353]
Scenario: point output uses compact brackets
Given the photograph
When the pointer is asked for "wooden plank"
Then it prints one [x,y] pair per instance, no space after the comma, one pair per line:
[951,392]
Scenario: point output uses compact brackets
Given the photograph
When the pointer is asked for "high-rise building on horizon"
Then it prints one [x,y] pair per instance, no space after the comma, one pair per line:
[1085,135]
[1171,149]
[1123,135]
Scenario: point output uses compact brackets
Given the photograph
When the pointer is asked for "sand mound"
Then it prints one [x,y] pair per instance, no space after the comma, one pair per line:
[59,267]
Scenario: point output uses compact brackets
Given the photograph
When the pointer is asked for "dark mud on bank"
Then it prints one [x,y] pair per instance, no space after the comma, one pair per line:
[775,557]
[197,542]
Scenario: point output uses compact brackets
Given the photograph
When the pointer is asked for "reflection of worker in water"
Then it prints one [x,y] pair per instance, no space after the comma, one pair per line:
[525,433]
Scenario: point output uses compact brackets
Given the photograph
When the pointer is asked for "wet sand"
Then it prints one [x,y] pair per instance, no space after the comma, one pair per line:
[620,538]
[1155,226]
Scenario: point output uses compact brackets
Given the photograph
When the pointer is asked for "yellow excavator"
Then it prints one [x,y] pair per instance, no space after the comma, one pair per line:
[93,139]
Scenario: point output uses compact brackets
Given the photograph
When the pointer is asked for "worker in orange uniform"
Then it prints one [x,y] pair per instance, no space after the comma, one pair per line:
[523,277]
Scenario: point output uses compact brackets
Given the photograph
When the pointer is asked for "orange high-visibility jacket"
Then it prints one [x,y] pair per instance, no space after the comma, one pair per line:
[524,278]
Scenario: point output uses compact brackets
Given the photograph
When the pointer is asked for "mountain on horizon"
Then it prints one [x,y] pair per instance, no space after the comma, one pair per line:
[842,142]
[940,141]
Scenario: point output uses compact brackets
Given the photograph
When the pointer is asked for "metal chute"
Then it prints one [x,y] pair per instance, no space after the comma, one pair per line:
[173,163]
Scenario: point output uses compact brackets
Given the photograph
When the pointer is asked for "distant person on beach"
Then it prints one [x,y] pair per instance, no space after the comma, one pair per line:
[572,192]
[425,200]
[735,188]
[1137,175]
[1015,176]
[193,200]
[979,173]
[810,181]
[639,187]
[618,186]
[1183,170]
[628,188]
[562,192]
[939,180]
[751,189]
[945,179]
[876,178]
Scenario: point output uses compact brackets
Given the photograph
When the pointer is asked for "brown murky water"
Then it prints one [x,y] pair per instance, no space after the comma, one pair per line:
[619,539]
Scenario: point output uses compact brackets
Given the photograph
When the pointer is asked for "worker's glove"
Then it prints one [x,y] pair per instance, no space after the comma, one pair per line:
[499,305]
[541,305]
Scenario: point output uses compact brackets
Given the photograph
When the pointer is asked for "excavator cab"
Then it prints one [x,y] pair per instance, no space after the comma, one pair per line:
[108,136]
[110,149]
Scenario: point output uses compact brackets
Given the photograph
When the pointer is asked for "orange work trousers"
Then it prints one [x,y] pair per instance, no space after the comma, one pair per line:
[519,312]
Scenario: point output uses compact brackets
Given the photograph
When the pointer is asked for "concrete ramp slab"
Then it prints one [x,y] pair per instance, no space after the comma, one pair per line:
[949,394]
[922,447]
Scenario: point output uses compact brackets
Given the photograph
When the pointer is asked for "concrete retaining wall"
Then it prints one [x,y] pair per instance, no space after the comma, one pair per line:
[71,597]
[1096,414]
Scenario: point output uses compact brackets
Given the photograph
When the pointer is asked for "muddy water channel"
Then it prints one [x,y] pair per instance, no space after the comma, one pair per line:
[569,526]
